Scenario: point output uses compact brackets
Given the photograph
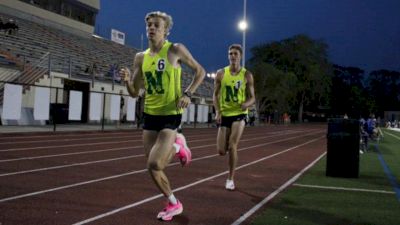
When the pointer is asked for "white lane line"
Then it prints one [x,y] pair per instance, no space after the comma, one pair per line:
[86,144]
[72,145]
[276,192]
[64,135]
[107,160]
[129,173]
[100,216]
[392,135]
[69,139]
[68,154]
[70,165]
[64,146]
[80,138]
[123,148]
[344,189]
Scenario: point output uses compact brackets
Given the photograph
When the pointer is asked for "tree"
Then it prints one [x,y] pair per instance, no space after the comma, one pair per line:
[348,93]
[273,88]
[304,58]
[384,86]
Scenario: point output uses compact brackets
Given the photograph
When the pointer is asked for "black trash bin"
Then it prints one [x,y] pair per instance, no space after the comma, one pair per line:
[343,148]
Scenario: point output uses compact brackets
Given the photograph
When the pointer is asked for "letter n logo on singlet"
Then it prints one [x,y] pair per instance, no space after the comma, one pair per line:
[154,83]
[231,94]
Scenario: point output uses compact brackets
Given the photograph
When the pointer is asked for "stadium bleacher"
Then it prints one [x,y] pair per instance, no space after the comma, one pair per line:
[70,53]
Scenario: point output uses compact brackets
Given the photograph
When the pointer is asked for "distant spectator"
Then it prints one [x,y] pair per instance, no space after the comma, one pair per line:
[110,72]
[121,109]
[363,136]
[10,27]
[94,68]
[115,73]
[87,69]
[286,118]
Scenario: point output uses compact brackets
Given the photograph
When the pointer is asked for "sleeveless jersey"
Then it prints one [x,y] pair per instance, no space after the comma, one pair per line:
[233,93]
[162,83]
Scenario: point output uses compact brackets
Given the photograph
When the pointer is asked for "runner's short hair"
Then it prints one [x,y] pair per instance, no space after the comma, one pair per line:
[237,47]
[167,19]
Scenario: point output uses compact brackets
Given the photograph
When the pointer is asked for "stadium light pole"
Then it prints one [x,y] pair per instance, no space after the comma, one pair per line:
[243,27]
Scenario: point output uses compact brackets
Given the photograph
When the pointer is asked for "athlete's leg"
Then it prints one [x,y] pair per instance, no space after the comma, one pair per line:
[222,140]
[160,155]
[234,138]
[149,139]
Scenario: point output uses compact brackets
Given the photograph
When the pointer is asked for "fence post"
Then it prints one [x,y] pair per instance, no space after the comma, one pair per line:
[54,111]
[49,63]
[69,67]
[104,109]
[24,62]
[195,115]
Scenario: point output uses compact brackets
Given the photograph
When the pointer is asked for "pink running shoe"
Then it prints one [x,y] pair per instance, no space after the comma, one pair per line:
[170,211]
[184,154]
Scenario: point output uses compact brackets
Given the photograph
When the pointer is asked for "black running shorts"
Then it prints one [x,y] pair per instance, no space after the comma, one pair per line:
[226,121]
[157,123]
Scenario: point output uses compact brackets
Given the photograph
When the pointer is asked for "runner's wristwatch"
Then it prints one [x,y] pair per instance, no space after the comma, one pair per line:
[188,94]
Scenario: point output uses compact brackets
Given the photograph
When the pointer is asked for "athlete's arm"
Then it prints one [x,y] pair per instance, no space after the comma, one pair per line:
[250,96]
[184,56]
[134,83]
[216,95]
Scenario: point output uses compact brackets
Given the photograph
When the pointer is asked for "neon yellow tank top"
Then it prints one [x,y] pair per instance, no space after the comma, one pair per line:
[233,93]
[162,83]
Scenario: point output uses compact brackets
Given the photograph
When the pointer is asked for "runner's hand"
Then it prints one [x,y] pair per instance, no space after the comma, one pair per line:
[183,102]
[218,118]
[125,74]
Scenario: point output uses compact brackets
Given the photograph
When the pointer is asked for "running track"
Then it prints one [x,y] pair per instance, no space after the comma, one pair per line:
[101,177]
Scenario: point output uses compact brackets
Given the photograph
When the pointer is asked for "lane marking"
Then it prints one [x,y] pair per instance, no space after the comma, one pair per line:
[89,162]
[68,154]
[276,192]
[63,146]
[130,173]
[100,216]
[388,133]
[389,174]
[63,135]
[70,165]
[112,142]
[69,139]
[124,148]
[344,188]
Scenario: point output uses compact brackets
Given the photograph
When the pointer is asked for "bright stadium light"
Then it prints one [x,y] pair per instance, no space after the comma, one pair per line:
[211,75]
[243,27]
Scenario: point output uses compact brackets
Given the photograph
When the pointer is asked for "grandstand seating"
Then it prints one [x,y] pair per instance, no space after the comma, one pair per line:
[68,52]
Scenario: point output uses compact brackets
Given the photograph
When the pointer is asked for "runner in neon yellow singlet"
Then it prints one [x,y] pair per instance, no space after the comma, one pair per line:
[157,71]
[233,95]
[162,82]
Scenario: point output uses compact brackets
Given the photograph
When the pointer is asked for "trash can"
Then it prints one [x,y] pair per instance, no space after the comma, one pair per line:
[342,158]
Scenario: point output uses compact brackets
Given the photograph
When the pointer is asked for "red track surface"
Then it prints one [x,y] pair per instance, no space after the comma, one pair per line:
[101,178]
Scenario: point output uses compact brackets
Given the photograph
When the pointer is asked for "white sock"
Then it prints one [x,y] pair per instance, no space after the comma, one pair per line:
[177,147]
[172,199]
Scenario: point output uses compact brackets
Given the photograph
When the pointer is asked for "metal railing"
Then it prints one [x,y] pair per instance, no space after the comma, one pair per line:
[198,115]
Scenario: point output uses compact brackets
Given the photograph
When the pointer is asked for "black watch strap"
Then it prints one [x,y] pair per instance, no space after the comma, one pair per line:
[187,93]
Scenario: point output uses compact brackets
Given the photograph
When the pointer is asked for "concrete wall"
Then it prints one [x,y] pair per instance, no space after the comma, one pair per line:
[92,3]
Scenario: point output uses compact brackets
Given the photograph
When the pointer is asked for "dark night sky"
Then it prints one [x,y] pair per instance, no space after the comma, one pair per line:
[361,33]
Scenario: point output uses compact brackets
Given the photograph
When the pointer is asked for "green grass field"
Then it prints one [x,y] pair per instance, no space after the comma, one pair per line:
[318,199]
